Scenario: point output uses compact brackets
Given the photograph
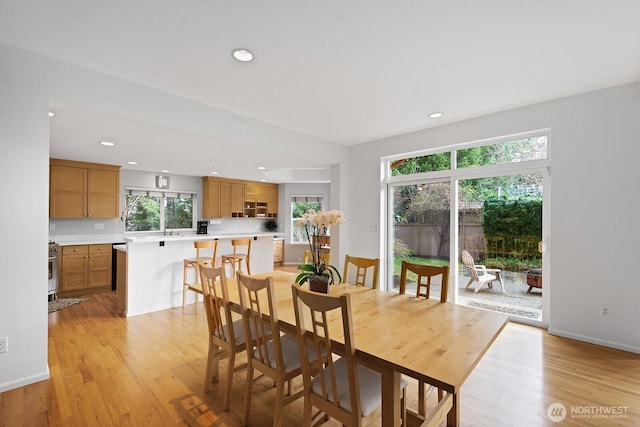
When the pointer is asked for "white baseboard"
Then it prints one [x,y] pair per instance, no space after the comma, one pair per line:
[592,340]
[25,381]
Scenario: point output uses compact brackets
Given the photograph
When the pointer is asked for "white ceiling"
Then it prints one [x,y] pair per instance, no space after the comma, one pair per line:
[343,71]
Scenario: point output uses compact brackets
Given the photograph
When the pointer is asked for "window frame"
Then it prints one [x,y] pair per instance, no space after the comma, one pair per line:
[318,199]
[163,196]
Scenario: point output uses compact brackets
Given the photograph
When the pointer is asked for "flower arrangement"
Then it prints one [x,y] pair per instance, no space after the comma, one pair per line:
[315,223]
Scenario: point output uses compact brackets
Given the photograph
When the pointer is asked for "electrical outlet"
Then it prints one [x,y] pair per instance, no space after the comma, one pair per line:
[604,311]
[4,344]
[98,226]
[52,226]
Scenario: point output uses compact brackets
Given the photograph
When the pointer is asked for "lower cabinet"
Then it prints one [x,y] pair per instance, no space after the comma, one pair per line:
[278,251]
[85,269]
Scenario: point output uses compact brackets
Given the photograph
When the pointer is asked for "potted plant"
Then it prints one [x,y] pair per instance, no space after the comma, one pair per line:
[319,274]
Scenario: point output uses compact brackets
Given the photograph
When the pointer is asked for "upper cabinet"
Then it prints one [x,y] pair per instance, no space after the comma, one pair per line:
[233,198]
[83,190]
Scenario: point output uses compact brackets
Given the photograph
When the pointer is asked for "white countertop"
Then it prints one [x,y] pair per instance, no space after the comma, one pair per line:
[192,237]
[92,239]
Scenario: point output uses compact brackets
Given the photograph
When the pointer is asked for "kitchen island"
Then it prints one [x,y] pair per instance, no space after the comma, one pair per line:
[155,267]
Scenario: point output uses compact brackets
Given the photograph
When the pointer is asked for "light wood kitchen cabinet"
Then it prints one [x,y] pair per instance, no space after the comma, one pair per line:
[225,200]
[272,201]
[278,251]
[85,269]
[212,199]
[237,200]
[234,198]
[81,190]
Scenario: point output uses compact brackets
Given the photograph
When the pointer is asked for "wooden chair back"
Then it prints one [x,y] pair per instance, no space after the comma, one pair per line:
[236,258]
[207,259]
[362,266]
[308,257]
[423,272]
[258,305]
[226,335]
[321,391]
[240,243]
[469,264]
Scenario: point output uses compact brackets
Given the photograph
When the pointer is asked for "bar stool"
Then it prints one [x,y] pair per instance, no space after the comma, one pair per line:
[193,263]
[236,257]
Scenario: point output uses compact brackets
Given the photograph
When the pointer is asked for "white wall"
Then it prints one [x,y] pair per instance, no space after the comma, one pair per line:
[595,239]
[24,183]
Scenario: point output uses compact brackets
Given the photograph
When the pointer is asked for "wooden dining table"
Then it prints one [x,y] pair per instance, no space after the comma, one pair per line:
[438,343]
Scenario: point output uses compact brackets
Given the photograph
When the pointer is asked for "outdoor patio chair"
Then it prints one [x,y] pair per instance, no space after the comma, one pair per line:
[480,273]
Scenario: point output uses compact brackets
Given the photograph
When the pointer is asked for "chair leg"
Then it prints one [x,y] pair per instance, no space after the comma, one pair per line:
[213,367]
[403,407]
[184,284]
[480,283]
[421,401]
[469,283]
[230,369]
[306,412]
[247,397]
[277,410]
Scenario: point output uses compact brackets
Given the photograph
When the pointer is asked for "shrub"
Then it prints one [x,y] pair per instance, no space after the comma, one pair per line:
[401,249]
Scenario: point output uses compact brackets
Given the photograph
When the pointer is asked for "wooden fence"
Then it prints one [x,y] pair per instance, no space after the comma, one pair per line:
[432,240]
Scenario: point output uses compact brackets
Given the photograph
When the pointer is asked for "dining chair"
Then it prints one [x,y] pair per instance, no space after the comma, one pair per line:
[422,272]
[335,384]
[274,355]
[362,266]
[480,273]
[307,257]
[236,258]
[226,335]
[191,264]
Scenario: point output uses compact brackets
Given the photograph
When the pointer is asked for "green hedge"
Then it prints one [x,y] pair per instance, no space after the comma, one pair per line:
[522,217]
[512,228]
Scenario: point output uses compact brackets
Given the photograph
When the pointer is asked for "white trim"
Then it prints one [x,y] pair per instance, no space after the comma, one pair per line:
[24,381]
[591,340]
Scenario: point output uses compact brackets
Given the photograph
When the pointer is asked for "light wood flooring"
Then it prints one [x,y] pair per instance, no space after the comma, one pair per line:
[107,370]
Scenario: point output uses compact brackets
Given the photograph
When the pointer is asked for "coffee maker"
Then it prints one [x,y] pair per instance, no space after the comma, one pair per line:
[202,227]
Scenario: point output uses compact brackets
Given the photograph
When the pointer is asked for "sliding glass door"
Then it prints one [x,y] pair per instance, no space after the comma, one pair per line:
[421,231]
[487,200]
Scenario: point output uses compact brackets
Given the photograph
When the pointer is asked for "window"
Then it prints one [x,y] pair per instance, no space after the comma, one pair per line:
[154,211]
[300,205]
[505,152]
[520,150]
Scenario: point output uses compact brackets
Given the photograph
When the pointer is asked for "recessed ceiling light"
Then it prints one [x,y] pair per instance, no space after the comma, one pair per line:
[107,143]
[52,114]
[242,55]
[261,168]
[132,163]
[214,173]
[436,115]
[165,171]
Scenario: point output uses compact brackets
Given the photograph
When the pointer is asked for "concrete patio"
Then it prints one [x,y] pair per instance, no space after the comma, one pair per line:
[515,301]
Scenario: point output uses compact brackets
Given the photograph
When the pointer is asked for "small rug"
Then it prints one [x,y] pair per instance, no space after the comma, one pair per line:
[506,310]
[61,303]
